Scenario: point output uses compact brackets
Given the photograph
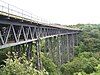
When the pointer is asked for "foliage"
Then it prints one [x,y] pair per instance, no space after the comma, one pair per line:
[81,63]
[90,38]
[87,53]
[49,65]
[20,67]
[3,56]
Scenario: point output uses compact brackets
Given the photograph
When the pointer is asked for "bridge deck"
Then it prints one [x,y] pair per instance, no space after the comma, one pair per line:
[9,15]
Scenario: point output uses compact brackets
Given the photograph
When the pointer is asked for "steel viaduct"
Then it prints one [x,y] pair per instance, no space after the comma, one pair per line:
[20,30]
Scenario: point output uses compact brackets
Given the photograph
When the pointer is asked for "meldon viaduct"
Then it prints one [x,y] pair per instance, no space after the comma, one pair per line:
[19,30]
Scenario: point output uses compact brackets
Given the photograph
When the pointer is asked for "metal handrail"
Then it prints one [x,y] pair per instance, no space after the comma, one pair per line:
[11,9]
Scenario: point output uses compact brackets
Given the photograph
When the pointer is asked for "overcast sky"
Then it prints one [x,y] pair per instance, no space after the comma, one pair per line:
[62,11]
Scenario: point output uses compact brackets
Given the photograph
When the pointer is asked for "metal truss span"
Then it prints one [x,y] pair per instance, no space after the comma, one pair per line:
[14,32]
[11,35]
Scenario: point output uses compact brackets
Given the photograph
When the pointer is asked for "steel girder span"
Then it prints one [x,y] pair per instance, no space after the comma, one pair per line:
[15,31]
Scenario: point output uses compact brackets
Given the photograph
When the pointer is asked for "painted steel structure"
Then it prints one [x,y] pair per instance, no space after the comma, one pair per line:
[21,31]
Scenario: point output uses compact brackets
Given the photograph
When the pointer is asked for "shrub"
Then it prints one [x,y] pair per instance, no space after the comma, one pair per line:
[48,64]
[84,62]
[14,67]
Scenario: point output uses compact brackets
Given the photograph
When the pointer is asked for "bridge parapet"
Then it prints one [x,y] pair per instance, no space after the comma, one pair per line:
[13,11]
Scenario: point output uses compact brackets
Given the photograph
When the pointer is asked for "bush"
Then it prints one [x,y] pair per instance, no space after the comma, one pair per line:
[88,68]
[85,62]
[72,67]
[14,67]
[48,64]
[85,55]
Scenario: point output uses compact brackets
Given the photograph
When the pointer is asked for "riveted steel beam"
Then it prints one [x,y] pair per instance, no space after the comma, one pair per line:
[14,33]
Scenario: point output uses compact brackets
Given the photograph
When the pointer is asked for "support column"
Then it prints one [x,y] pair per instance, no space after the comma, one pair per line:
[49,47]
[55,49]
[68,49]
[29,50]
[23,48]
[65,49]
[11,53]
[38,50]
[59,50]
[76,39]
[46,48]
[71,45]
[62,49]
[52,48]
[18,51]
[73,52]
[38,63]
